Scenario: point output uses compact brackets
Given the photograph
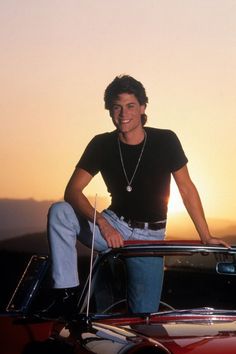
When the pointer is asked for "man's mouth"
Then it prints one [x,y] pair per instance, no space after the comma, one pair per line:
[124,121]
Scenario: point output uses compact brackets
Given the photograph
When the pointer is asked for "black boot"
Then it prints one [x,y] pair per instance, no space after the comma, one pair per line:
[63,304]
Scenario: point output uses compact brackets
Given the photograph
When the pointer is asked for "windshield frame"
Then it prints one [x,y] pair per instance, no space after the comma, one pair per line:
[146,249]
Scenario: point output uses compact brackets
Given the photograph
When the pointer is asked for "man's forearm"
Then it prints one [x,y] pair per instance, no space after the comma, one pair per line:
[81,205]
[194,207]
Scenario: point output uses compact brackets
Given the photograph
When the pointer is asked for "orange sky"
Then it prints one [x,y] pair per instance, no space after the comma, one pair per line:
[57,58]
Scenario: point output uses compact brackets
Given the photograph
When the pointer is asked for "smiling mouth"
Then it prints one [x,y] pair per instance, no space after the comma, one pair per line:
[124,121]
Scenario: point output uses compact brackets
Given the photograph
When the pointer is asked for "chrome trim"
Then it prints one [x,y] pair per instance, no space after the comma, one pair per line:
[170,248]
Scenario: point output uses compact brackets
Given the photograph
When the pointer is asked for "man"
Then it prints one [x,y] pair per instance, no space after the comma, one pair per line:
[136,164]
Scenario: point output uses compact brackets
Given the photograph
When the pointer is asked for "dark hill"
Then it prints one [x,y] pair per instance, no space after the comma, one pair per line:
[23,216]
[29,244]
[28,216]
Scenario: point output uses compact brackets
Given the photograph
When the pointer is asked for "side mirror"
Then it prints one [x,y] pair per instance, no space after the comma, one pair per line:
[226,268]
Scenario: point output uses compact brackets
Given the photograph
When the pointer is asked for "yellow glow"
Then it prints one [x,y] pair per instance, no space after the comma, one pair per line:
[175,202]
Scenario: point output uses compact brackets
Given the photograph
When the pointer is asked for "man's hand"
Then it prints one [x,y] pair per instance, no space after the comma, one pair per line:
[216,241]
[111,235]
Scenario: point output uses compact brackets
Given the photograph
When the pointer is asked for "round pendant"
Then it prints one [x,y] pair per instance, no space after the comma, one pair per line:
[129,188]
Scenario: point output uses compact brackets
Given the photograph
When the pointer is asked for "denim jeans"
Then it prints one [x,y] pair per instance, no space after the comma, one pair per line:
[145,275]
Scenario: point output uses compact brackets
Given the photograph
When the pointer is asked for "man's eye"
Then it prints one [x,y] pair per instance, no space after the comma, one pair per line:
[115,108]
[131,106]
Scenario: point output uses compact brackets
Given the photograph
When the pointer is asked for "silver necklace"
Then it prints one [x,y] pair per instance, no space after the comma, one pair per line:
[129,182]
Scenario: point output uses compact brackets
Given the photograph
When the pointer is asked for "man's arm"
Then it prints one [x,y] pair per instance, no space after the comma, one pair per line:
[75,197]
[194,207]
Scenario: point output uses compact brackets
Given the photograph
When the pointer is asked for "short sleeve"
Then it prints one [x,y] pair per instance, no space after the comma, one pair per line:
[177,157]
[91,158]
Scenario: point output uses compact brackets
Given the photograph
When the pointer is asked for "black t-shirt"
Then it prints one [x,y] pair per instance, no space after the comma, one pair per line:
[149,197]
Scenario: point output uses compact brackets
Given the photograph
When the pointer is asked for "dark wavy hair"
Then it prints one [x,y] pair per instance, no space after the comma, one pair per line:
[125,84]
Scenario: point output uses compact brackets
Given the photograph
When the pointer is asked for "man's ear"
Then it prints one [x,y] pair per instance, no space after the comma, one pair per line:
[143,108]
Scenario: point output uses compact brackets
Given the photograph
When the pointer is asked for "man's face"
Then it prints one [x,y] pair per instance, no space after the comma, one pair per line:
[126,113]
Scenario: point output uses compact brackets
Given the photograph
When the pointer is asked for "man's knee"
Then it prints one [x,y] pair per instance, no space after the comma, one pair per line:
[59,210]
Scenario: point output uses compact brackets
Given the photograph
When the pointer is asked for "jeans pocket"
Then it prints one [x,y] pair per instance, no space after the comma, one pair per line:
[157,234]
[148,235]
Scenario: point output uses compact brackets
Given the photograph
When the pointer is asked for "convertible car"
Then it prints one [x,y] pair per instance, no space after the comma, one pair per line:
[196,314]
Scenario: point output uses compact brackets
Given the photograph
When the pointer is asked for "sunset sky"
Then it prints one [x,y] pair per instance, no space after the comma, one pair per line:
[58,56]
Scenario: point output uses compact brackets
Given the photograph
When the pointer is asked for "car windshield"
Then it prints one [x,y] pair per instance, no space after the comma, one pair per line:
[192,278]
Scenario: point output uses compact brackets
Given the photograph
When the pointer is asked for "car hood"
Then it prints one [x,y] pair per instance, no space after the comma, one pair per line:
[193,336]
[205,335]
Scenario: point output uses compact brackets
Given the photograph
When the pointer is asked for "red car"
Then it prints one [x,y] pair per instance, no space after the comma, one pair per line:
[196,315]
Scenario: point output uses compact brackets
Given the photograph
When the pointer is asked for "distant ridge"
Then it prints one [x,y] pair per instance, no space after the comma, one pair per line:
[33,244]
[21,216]
[28,216]
[28,244]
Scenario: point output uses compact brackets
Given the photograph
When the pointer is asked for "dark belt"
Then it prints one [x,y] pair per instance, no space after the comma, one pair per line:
[158,225]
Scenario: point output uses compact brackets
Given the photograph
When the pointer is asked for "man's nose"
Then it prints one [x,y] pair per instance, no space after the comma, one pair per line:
[121,113]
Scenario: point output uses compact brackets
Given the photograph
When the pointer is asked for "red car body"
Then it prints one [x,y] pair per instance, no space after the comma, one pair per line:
[186,323]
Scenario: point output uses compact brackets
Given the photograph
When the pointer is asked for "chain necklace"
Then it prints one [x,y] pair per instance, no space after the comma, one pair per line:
[129,182]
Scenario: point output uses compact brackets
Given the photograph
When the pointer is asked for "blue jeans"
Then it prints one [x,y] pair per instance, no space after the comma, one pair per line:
[65,227]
